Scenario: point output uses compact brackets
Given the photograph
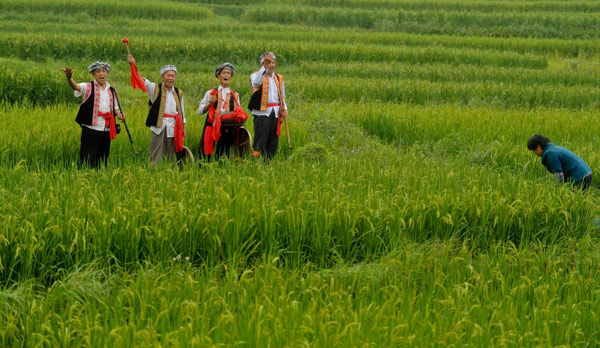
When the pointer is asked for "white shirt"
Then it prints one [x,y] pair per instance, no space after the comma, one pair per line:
[224,91]
[170,108]
[103,104]
[256,80]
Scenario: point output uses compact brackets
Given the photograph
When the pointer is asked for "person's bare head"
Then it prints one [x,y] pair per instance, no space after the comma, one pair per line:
[269,61]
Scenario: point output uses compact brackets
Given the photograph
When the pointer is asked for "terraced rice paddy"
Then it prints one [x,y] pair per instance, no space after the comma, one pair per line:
[409,213]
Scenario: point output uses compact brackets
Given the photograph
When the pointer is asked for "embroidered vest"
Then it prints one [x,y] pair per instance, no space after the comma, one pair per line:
[229,103]
[260,95]
[155,115]
[88,110]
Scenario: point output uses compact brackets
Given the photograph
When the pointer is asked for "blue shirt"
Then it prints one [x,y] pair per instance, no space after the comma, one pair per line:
[558,159]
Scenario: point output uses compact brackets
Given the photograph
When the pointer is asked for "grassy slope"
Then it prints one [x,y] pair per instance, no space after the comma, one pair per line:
[389,224]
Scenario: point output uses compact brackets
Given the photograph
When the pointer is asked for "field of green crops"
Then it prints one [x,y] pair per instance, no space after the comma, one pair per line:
[408,213]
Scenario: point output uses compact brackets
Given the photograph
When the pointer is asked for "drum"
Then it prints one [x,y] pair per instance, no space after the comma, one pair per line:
[243,144]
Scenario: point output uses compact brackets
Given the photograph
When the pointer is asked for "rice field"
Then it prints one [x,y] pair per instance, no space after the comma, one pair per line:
[408,213]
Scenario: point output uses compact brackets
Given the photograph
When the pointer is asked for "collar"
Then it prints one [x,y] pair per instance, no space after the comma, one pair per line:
[221,87]
[547,148]
[105,89]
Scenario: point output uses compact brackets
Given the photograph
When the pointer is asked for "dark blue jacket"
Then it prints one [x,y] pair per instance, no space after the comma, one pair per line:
[558,159]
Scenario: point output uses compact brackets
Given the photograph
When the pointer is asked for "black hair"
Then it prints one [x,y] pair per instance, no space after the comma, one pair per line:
[536,140]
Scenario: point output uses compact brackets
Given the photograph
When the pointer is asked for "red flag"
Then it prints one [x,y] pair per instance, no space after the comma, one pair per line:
[136,79]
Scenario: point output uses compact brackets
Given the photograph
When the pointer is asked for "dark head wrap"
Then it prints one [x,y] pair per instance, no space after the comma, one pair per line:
[98,65]
[224,66]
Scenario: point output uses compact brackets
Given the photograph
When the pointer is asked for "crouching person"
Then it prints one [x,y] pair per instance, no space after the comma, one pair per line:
[565,165]
[224,126]
[96,114]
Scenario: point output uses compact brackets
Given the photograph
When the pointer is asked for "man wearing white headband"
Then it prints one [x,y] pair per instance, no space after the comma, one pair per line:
[166,117]
[223,128]
[96,114]
[268,106]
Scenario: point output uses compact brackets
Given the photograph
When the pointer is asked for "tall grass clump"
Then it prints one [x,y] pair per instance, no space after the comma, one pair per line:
[156,10]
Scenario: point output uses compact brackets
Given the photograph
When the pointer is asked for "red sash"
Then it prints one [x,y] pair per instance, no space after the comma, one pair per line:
[109,119]
[269,105]
[178,131]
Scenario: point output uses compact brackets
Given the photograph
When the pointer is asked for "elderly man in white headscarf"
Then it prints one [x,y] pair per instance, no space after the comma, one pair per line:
[166,117]
[96,114]
[225,119]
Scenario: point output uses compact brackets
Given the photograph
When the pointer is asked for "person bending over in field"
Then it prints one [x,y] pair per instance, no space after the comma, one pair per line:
[565,165]
[166,117]
[96,114]
[268,106]
[225,119]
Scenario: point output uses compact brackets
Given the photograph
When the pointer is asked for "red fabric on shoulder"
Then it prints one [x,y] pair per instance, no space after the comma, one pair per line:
[136,79]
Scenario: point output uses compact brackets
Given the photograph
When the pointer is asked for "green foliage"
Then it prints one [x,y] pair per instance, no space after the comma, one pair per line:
[542,24]
[409,212]
[104,9]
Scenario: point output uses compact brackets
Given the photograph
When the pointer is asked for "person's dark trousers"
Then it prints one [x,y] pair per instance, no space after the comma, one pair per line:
[222,147]
[584,183]
[265,135]
[95,147]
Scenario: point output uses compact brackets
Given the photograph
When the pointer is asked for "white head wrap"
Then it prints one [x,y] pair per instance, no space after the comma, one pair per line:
[166,68]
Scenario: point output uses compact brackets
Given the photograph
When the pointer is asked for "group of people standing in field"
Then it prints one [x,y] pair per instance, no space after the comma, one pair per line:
[223,133]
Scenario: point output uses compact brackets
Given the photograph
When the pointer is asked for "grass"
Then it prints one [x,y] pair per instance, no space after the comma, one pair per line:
[409,212]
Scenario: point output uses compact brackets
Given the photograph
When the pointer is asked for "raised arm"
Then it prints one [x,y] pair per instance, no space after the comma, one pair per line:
[257,77]
[69,74]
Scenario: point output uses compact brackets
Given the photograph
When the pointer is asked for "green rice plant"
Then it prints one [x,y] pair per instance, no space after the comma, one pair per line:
[37,48]
[155,9]
[30,22]
[503,95]
[123,214]
[29,84]
[501,24]
[509,294]
[472,6]
[409,212]
[559,75]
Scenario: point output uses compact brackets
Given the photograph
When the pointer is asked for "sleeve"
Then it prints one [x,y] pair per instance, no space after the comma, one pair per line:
[204,102]
[257,77]
[150,87]
[83,86]
[552,163]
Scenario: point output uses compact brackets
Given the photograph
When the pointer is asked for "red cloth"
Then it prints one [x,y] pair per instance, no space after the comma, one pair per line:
[136,79]
[212,133]
[178,131]
[109,119]
[209,144]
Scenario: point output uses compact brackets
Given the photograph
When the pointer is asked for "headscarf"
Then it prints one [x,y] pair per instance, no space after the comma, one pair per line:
[224,66]
[98,65]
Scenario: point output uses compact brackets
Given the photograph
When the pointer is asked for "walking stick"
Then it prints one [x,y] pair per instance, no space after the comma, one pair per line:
[127,129]
[130,138]
[287,132]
